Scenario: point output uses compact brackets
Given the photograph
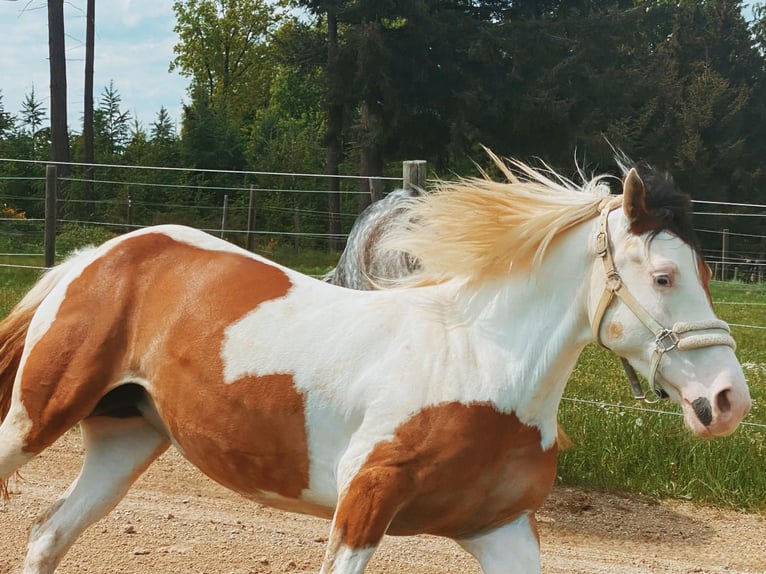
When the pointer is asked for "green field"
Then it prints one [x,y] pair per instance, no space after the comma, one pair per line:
[620,444]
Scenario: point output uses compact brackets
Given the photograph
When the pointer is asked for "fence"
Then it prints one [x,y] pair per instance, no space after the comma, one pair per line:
[244,207]
[257,209]
[735,236]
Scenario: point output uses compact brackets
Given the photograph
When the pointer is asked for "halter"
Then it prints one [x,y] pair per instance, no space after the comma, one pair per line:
[680,336]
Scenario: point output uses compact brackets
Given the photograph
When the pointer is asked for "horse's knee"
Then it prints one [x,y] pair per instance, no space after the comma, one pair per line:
[362,516]
[368,506]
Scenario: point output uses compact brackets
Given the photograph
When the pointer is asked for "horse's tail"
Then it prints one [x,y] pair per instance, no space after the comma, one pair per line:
[13,329]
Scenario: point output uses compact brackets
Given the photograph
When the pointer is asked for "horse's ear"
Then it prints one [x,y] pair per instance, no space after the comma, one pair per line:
[634,200]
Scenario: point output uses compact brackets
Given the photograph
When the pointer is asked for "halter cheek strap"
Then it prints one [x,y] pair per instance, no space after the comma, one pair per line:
[681,336]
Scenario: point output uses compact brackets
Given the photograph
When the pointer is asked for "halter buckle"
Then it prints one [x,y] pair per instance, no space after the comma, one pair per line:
[602,243]
[666,340]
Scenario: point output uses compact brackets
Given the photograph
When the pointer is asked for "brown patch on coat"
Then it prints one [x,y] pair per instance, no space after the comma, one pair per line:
[705,275]
[614,330]
[450,470]
[157,309]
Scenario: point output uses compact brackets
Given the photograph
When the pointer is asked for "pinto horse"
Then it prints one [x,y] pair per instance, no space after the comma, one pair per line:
[427,407]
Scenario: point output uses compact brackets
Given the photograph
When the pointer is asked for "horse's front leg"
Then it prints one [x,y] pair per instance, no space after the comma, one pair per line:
[364,511]
[511,548]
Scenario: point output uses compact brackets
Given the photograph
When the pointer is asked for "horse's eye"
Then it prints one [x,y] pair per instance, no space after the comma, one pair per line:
[662,280]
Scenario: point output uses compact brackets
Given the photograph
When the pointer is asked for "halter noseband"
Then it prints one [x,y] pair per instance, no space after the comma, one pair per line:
[678,337]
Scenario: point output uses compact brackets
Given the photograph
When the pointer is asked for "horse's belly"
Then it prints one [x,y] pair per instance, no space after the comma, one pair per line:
[477,507]
[249,436]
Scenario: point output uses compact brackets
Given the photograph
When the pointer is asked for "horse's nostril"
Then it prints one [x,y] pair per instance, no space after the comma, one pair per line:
[722,402]
[703,410]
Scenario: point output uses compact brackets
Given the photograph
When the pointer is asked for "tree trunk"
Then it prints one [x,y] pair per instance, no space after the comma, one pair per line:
[334,129]
[371,150]
[87,126]
[57,59]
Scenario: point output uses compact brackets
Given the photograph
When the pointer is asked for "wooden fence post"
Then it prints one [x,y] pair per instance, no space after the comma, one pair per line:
[724,254]
[414,174]
[49,238]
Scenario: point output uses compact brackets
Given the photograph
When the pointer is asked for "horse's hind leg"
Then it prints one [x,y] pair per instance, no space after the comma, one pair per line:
[513,547]
[12,453]
[117,451]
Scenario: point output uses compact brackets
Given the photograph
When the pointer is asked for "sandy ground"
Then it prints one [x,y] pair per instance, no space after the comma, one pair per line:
[175,520]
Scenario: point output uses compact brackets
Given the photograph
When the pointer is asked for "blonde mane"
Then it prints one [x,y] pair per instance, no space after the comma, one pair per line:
[476,227]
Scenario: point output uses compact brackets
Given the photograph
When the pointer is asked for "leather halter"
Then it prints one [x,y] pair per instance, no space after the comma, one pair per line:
[681,336]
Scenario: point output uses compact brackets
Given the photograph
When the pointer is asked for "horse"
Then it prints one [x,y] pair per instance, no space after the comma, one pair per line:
[362,261]
[426,407]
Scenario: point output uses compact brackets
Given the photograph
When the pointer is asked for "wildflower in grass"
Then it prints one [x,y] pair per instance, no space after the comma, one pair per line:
[8,212]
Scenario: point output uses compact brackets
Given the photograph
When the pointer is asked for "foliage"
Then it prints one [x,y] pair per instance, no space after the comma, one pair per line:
[7,121]
[110,124]
[224,49]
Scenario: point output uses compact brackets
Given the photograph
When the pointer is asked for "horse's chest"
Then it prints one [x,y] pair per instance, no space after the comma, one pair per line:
[462,468]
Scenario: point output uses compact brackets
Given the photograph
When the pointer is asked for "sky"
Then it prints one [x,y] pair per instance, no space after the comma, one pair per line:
[134,47]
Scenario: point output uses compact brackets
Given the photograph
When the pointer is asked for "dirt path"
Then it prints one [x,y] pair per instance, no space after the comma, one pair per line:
[175,520]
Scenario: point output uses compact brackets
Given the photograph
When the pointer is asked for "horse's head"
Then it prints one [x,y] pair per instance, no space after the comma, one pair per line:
[650,304]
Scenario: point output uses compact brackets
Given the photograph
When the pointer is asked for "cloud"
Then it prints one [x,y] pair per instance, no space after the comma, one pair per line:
[134,47]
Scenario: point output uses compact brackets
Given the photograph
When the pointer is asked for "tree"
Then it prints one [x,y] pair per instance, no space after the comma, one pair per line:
[224,48]
[111,124]
[162,130]
[89,155]
[7,121]
[33,114]
[57,62]
[209,139]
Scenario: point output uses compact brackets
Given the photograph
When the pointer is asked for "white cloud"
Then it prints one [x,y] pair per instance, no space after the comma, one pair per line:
[134,47]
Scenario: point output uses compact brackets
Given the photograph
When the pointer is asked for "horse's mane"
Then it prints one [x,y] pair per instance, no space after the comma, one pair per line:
[476,227]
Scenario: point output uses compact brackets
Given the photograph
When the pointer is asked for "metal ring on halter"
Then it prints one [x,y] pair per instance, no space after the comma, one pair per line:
[651,396]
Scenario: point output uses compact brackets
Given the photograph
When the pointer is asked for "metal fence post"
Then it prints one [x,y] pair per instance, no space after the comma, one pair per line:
[225,214]
[251,214]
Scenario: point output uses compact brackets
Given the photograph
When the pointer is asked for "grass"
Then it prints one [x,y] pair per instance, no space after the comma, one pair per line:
[14,281]
[618,448]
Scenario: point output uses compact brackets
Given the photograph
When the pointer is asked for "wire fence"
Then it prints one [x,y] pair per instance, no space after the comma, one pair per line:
[247,207]
[288,208]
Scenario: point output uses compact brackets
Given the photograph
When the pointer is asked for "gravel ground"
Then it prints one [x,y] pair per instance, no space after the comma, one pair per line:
[175,520]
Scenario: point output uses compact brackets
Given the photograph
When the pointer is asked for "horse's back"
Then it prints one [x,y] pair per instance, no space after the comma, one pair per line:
[362,261]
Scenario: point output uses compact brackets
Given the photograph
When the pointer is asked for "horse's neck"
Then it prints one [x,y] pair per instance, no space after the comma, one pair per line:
[528,329]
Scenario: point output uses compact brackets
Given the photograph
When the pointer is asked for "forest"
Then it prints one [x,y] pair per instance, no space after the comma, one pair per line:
[357,86]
